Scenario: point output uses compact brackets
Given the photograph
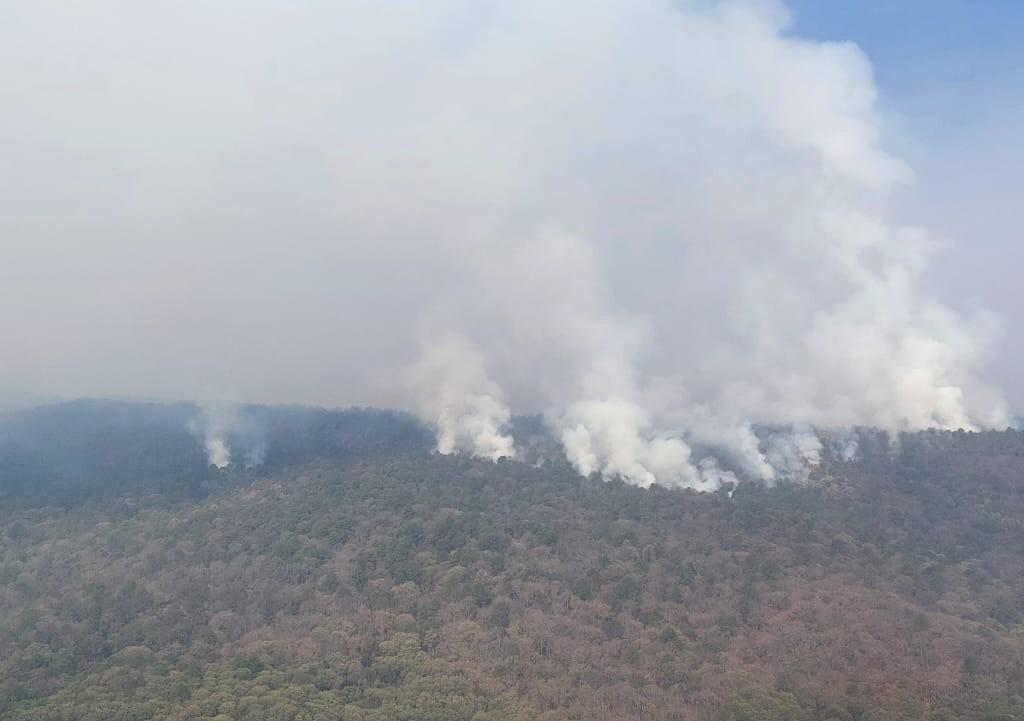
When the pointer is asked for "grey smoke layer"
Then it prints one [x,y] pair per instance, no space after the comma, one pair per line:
[659,223]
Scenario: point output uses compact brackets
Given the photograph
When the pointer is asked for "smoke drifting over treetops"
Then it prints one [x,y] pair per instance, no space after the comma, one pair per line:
[229,435]
[658,223]
[734,177]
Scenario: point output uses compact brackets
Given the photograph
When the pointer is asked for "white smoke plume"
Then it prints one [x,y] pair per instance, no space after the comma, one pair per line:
[724,258]
[210,427]
[466,408]
[793,453]
[614,436]
[218,453]
[844,444]
[219,425]
[664,224]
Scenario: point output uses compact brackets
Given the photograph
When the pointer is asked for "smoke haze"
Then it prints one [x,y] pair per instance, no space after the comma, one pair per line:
[229,434]
[659,223]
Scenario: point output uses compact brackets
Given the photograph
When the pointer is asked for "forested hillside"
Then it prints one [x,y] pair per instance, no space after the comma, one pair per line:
[358,576]
[93,450]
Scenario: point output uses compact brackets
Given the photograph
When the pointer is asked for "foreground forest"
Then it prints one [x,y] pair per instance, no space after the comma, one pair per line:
[358,576]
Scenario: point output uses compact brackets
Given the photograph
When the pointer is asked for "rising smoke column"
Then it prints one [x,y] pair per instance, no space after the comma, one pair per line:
[210,427]
[724,258]
[593,401]
[662,223]
[220,424]
[465,407]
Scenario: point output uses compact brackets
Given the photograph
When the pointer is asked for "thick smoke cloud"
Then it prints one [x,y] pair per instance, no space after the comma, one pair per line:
[662,224]
[725,260]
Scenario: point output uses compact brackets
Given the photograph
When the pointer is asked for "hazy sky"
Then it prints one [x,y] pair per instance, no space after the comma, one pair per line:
[282,202]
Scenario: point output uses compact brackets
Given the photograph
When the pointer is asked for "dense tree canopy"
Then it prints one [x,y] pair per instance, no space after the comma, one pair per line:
[357,576]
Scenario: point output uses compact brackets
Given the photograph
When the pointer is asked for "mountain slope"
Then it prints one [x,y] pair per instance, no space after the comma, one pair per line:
[406,585]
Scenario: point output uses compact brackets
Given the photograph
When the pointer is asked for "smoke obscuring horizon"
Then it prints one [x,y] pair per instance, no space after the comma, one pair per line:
[659,223]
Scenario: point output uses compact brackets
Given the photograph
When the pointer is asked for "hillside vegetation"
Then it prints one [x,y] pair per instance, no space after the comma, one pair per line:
[357,576]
